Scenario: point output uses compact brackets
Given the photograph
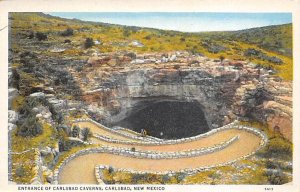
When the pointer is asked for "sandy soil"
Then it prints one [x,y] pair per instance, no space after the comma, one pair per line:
[81,169]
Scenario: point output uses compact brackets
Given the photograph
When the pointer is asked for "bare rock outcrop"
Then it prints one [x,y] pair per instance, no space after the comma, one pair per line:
[268,102]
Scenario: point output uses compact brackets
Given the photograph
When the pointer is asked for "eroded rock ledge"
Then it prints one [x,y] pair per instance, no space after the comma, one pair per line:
[224,90]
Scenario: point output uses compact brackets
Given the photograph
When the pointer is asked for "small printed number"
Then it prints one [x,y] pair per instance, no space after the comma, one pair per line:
[268,189]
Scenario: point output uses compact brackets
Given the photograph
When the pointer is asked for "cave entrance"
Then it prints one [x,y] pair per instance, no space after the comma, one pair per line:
[168,119]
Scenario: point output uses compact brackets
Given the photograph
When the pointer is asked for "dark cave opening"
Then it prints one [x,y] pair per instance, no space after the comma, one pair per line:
[168,119]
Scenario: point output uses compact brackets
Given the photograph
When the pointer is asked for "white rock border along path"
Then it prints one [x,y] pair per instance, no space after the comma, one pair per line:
[138,161]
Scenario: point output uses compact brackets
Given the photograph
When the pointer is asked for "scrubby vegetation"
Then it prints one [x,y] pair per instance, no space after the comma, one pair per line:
[232,45]
[75,131]
[86,133]
[111,176]
[22,167]
[41,36]
[30,127]
[276,177]
[89,43]
[67,32]
[260,55]
[277,147]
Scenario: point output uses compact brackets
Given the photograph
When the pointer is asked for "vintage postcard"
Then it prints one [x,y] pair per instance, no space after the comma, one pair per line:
[150,100]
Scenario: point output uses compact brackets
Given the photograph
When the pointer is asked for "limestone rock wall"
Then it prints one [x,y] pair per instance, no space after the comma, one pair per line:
[125,92]
[269,101]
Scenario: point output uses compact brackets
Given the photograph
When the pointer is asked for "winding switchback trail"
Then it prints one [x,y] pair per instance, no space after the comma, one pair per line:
[81,169]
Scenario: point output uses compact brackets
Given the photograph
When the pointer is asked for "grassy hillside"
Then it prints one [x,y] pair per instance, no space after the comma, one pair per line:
[277,38]
[270,46]
[274,38]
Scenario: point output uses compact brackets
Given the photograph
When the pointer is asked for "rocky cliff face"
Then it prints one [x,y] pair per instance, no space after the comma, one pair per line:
[130,91]
[268,101]
[223,91]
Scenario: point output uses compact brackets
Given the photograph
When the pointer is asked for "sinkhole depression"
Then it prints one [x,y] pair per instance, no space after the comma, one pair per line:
[168,119]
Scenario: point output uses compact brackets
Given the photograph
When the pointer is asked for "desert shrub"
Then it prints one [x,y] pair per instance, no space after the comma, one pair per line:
[61,146]
[145,178]
[69,144]
[110,169]
[251,52]
[41,36]
[89,43]
[86,133]
[138,178]
[20,171]
[27,59]
[66,129]
[28,105]
[276,177]
[222,57]
[180,176]
[15,79]
[126,32]
[278,165]
[59,118]
[132,149]
[67,32]
[75,131]
[165,179]
[271,165]
[274,60]
[148,37]
[30,127]
[17,103]
[277,147]
[31,35]
[66,144]
[67,41]
[213,47]
[261,55]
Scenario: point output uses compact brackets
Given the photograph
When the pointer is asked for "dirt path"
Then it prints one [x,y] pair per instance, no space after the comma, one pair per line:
[129,132]
[210,141]
[96,129]
[81,169]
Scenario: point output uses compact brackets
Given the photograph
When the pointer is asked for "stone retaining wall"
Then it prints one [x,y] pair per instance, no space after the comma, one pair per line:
[108,129]
[100,168]
[148,137]
[169,155]
[233,125]
[158,142]
[37,169]
[119,151]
